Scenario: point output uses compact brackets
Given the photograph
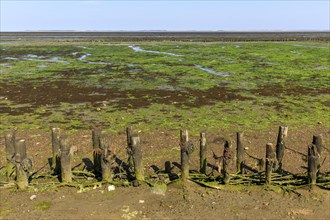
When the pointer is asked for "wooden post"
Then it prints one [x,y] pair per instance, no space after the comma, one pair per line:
[318,142]
[130,161]
[239,152]
[128,135]
[22,179]
[56,167]
[184,145]
[270,161]
[202,152]
[10,152]
[66,174]
[107,158]
[96,133]
[137,157]
[313,163]
[280,146]
[227,159]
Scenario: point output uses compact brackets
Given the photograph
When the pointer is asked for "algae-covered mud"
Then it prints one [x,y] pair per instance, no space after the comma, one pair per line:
[251,85]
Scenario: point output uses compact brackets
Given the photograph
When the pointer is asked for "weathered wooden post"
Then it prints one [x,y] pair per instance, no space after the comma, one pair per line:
[280,146]
[318,142]
[313,164]
[107,158]
[56,167]
[96,133]
[10,152]
[239,152]
[270,161]
[128,135]
[202,152]
[66,154]
[130,161]
[187,147]
[227,159]
[22,164]
[137,157]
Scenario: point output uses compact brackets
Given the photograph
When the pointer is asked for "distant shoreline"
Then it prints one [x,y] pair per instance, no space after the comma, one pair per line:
[175,36]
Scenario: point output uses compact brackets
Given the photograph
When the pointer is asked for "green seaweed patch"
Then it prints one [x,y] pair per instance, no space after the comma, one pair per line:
[43,206]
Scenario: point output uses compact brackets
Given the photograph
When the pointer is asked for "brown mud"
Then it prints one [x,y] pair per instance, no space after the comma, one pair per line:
[192,202]
[43,92]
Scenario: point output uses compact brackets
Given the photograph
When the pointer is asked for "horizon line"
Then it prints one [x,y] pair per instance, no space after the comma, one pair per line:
[153,30]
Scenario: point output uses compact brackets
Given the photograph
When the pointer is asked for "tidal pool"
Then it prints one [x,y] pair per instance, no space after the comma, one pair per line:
[139,49]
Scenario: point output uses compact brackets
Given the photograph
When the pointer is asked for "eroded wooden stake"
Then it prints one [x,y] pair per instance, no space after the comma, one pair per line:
[270,161]
[96,133]
[66,155]
[22,164]
[239,151]
[280,146]
[186,148]
[227,160]
[107,158]
[313,163]
[202,152]
[56,167]
[137,157]
[10,152]
[318,142]
[130,161]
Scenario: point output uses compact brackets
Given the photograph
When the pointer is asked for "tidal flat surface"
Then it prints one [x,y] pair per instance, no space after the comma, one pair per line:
[251,85]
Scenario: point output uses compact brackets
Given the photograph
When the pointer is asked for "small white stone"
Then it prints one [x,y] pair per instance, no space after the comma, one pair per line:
[141,201]
[33,197]
[111,188]
[246,148]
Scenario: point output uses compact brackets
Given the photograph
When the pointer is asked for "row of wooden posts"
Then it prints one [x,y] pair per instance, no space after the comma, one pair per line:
[104,157]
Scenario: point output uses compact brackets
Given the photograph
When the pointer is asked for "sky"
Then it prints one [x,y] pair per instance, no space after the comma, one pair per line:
[171,15]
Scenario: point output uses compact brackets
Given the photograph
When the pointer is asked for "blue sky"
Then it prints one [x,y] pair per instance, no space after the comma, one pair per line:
[165,15]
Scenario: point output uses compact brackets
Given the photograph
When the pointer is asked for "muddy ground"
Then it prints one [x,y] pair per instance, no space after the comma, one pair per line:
[178,202]
[193,202]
